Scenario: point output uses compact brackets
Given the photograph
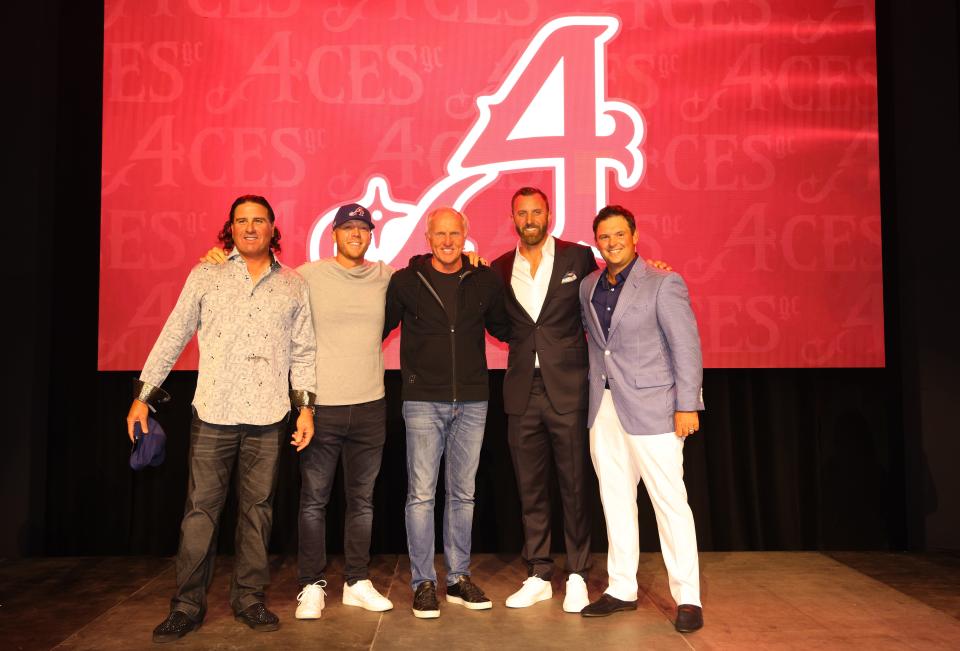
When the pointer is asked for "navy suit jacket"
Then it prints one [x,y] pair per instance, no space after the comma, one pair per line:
[651,357]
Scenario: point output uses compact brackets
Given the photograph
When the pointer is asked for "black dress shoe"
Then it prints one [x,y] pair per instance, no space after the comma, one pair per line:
[175,626]
[689,618]
[607,605]
[259,618]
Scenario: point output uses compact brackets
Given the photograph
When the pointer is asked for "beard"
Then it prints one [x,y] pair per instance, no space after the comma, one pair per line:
[532,238]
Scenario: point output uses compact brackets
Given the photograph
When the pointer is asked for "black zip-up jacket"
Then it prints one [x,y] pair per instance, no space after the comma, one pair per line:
[440,361]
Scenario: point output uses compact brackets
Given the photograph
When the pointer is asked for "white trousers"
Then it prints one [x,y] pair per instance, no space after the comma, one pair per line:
[621,462]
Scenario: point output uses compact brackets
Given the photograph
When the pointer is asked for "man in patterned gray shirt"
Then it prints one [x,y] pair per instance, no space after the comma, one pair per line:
[255,331]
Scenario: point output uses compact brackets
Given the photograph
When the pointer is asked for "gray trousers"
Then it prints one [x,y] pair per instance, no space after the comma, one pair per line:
[213,450]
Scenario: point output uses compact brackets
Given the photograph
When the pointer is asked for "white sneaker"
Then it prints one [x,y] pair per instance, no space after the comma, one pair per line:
[534,589]
[363,594]
[310,600]
[576,598]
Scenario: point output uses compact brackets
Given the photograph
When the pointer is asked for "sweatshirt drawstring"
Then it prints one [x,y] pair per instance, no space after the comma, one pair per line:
[419,289]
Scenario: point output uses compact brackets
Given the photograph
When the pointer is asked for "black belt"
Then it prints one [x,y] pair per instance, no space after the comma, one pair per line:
[536,371]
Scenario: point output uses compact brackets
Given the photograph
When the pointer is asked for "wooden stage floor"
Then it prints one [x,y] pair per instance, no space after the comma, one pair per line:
[774,600]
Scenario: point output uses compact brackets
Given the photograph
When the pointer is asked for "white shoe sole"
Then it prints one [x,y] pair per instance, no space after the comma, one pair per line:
[306,616]
[426,614]
[469,605]
[542,596]
[574,608]
[353,601]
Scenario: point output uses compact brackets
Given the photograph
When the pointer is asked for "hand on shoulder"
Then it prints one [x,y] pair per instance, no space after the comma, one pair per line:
[216,255]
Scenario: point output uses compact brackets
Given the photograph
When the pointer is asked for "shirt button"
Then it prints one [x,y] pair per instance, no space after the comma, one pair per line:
[603,377]
[606,352]
[608,309]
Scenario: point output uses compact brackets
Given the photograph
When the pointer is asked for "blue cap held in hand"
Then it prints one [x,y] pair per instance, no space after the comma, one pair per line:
[149,449]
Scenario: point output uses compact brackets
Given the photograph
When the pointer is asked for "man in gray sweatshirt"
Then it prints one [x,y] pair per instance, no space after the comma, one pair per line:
[347,294]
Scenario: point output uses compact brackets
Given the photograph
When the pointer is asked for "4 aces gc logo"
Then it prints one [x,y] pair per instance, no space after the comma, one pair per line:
[550,112]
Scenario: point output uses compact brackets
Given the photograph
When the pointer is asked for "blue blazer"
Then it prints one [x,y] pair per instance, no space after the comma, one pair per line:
[651,358]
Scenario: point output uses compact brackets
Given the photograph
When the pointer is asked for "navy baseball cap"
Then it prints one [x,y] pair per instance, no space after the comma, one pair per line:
[149,449]
[353,211]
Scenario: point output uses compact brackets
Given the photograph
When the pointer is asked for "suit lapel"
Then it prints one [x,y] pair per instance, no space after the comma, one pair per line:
[627,293]
[592,311]
[561,253]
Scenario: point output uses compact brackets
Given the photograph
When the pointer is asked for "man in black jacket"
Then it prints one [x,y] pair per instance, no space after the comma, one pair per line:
[444,305]
[545,395]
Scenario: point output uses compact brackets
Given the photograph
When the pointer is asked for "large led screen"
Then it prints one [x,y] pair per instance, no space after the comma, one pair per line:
[742,134]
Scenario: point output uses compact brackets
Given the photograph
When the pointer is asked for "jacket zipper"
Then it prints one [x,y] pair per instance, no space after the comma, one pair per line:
[453,328]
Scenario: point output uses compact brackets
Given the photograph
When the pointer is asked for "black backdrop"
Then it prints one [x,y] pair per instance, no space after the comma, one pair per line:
[789,458]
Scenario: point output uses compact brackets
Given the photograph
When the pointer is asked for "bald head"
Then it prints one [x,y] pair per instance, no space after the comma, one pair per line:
[446,235]
[446,211]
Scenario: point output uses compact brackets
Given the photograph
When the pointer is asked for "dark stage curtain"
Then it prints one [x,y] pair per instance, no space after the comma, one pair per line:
[787,459]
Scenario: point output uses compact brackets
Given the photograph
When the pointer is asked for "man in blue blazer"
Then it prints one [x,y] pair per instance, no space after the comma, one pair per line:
[646,376]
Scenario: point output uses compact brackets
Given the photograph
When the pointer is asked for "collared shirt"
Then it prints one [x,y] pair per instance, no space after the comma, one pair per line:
[530,290]
[255,339]
[605,296]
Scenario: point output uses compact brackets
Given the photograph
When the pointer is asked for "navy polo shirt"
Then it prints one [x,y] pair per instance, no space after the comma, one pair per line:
[605,296]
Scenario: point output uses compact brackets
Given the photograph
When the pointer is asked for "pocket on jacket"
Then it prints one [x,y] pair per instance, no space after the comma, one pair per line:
[432,359]
[653,378]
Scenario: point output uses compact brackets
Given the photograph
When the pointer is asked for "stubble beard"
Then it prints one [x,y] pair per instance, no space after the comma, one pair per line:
[532,239]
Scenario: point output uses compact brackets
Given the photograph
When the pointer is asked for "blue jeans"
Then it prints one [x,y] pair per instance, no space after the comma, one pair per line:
[455,431]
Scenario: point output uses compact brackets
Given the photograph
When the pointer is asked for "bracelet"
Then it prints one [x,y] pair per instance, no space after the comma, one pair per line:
[149,394]
[301,398]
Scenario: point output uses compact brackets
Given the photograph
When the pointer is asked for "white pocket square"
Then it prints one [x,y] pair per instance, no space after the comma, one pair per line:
[568,277]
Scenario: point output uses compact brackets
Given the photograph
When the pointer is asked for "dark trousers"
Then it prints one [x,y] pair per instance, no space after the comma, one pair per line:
[213,450]
[355,434]
[542,439]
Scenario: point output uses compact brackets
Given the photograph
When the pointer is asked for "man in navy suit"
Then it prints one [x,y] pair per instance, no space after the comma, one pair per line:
[646,377]
[545,395]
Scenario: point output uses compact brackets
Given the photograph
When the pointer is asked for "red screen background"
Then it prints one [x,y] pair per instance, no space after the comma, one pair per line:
[742,134]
